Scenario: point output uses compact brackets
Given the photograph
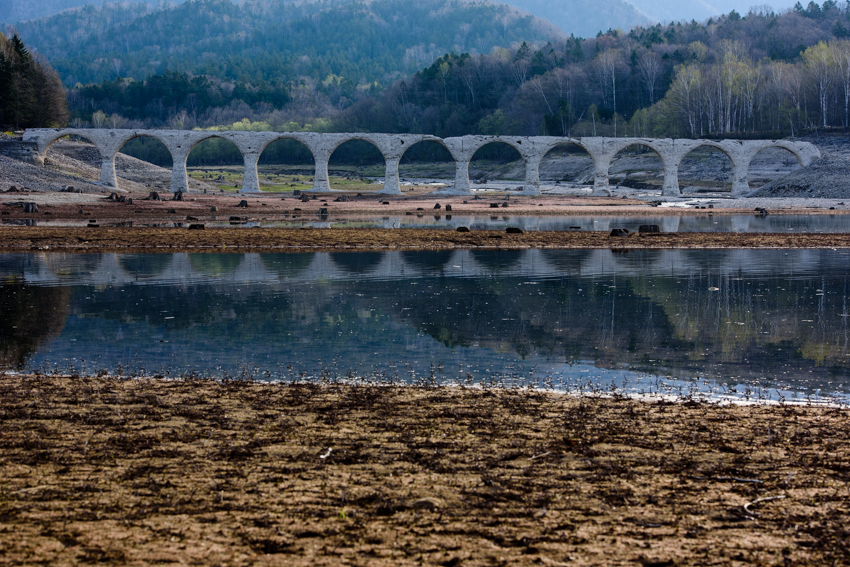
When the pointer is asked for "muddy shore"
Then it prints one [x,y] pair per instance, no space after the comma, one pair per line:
[137,239]
[143,471]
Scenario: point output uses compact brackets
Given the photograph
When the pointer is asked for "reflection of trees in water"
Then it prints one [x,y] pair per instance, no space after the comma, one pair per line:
[287,265]
[428,260]
[707,259]
[68,266]
[654,324]
[145,265]
[637,259]
[357,262]
[31,315]
[215,264]
[566,260]
[497,259]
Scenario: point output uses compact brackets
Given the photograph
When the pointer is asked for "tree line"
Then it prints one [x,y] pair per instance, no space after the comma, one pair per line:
[762,74]
[31,93]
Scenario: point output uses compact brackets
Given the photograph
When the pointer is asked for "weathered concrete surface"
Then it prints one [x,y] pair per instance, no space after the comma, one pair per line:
[532,149]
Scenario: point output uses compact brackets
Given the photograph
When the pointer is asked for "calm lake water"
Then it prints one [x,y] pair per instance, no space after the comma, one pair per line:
[736,322]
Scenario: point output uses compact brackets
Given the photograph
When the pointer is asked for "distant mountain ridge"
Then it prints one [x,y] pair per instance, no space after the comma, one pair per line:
[572,16]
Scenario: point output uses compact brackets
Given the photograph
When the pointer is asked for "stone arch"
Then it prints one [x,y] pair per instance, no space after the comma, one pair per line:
[365,141]
[776,150]
[150,135]
[225,180]
[285,174]
[432,142]
[582,171]
[723,182]
[478,175]
[620,171]
[43,155]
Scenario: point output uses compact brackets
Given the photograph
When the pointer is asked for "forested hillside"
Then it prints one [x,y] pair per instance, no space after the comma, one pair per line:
[270,40]
[762,74]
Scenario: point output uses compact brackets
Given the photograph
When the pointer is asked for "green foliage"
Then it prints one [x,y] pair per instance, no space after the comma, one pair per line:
[31,94]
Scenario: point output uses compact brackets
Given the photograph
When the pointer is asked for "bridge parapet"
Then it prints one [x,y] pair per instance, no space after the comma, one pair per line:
[532,149]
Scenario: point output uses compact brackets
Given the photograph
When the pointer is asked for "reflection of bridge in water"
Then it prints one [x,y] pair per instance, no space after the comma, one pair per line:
[177,269]
[532,149]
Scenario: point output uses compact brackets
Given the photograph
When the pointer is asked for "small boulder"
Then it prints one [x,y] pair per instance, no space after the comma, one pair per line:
[213,209]
[197,227]
[154,196]
[494,205]
[513,230]
[172,212]
[437,207]
[30,208]
[504,205]
[243,204]
[448,208]
[305,198]
[462,229]
[178,196]
[620,232]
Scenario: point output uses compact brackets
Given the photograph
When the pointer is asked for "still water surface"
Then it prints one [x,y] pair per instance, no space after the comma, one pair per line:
[736,321]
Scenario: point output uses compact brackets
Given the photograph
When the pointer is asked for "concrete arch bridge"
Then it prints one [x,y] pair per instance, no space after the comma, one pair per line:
[393,146]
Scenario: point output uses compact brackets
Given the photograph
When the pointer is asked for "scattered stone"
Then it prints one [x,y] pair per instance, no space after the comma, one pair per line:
[112,197]
[465,203]
[761,211]
[620,232]
[419,209]
[341,199]
[494,205]
[305,198]
[243,204]
[12,189]
[172,212]
[504,205]
[649,228]
[437,207]
[80,212]
[154,196]
[462,229]
[323,212]
[408,213]
[513,230]
[191,218]
[427,503]
[385,203]
[197,227]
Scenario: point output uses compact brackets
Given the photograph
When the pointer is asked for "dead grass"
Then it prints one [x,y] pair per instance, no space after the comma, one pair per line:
[200,472]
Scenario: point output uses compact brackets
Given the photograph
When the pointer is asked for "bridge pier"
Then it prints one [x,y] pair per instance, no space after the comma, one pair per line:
[393,146]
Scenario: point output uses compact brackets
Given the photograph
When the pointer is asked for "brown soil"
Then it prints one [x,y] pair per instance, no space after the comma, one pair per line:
[147,471]
[273,207]
[259,239]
